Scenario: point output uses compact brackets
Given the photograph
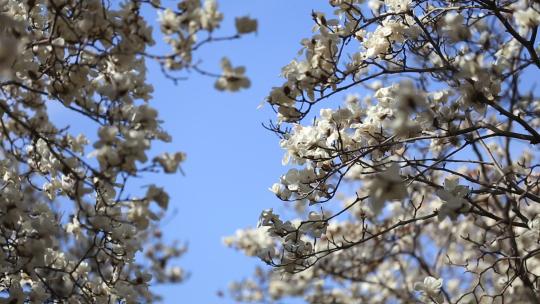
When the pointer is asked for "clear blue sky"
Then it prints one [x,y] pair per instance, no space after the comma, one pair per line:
[231,160]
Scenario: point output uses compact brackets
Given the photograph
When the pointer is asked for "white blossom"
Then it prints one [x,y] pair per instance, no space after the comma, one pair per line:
[388,185]
[231,79]
[453,195]
[245,25]
[430,289]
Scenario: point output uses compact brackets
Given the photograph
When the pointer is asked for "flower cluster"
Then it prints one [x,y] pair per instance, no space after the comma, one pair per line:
[72,227]
[439,121]
[192,26]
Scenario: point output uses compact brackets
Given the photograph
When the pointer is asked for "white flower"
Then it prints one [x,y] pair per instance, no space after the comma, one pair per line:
[315,226]
[531,237]
[375,5]
[527,18]
[158,195]
[210,17]
[169,21]
[280,191]
[74,227]
[8,52]
[108,134]
[245,25]
[10,43]
[398,6]
[455,28]
[453,196]
[430,289]
[253,242]
[176,274]
[385,186]
[232,79]
[170,162]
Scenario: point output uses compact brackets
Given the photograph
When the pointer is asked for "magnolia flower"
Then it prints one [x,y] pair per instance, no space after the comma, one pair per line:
[527,17]
[531,237]
[316,226]
[398,5]
[385,186]
[455,28]
[253,242]
[8,52]
[375,5]
[245,25]
[267,218]
[280,191]
[430,290]
[108,134]
[210,17]
[232,79]
[74,227]
[169,21]
[170,162]
[158,195]
[453,195]
[10,43]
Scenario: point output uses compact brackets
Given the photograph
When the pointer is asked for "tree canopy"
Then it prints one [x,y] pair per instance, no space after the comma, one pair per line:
[70,228]
[423,186]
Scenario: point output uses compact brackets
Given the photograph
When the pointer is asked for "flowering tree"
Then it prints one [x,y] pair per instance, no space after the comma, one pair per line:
[69,229]
[423,186]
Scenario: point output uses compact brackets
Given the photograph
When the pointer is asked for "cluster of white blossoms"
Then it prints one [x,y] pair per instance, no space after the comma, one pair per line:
[526,15]
[435,158]
[185,29]
[72,229]
[191,27]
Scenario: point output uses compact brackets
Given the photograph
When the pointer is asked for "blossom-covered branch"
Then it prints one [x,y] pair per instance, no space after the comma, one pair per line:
[71,228]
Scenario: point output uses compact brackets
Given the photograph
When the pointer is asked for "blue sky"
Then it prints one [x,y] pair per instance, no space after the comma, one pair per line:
[232,159]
